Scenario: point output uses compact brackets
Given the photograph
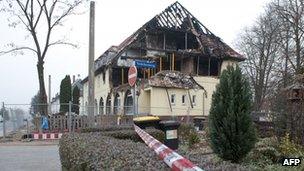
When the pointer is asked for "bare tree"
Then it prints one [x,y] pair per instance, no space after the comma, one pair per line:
[259,44]
[47,15]
[291,15]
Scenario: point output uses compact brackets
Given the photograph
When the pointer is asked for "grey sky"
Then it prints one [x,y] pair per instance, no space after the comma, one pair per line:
[115,21]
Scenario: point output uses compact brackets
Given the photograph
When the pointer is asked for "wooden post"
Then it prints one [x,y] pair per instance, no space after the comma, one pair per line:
[186,40]
[197,66]
[173,61]
[164,45]
[122,76]
[160,63]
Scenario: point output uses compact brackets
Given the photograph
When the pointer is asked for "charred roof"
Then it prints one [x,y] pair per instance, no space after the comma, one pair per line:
[173,79]
[175,18]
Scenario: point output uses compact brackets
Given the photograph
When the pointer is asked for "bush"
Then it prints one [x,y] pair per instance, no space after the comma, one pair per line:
[264,153]
[188,135]
[125,132]
[231,129]
[107,128]
[193,139]
[93,151]
[290,149]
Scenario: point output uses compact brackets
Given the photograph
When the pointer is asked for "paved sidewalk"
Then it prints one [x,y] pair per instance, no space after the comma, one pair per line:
[29,156]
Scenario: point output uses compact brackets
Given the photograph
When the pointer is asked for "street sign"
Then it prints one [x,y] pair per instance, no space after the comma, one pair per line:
[145,64]
[132,75]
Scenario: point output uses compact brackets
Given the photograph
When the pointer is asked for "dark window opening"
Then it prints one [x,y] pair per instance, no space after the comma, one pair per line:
[116,77]
[191,42]
[214,67]
[203,66]
[183,99]
[103,77]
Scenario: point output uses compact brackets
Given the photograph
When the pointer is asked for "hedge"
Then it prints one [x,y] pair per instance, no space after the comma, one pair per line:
[108,128]
[126,132]
[94,151]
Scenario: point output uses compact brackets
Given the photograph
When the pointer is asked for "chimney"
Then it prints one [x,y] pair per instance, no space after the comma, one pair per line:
[73,78]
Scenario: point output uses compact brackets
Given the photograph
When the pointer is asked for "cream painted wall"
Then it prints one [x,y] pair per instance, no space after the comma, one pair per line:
[160,102]
[209,84]
[227,63]
[144,100]
[101,90]
[154,100]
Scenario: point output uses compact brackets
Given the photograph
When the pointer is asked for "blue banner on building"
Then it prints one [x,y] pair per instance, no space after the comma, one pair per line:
[145,64]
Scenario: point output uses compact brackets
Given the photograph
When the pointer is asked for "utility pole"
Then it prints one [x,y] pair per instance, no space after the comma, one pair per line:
[3,119]
[70,117]
[50,94]
[91,97]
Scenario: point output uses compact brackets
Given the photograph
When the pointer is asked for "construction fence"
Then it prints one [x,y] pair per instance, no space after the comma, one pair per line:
[69,117]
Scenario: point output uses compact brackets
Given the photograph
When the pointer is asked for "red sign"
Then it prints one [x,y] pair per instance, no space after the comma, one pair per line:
[132,75]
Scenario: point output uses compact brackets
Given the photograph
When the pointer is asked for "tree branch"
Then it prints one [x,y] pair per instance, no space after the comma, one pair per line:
[17,49]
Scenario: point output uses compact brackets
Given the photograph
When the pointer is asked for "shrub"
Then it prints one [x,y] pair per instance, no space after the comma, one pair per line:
[290,149]
[264,153]
[185,131]
[93,151]
[231,129]
[125,132]
[193,139]
[107,128]
[132,135]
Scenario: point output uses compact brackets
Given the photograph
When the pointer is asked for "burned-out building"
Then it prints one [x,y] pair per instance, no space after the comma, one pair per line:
[178,61]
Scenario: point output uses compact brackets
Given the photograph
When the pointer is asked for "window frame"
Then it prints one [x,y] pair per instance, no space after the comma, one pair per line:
[194,100]
[183,99]
[173,97]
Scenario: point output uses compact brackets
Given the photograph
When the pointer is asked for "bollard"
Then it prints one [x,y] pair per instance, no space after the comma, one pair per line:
[170,129]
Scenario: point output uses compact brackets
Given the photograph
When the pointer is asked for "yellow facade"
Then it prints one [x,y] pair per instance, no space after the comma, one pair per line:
[156,100]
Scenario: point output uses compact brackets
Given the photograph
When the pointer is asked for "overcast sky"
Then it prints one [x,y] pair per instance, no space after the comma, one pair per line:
[115,21]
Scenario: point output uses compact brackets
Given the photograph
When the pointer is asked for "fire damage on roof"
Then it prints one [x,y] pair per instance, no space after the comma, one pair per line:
[173,40]
[173,79]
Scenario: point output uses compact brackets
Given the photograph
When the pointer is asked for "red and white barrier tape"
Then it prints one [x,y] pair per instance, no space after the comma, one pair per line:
[175,161]
[47,136]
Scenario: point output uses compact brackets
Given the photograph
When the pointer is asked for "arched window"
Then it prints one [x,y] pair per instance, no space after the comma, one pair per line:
[101,106]
[128,105]
[116,103]
[108,105]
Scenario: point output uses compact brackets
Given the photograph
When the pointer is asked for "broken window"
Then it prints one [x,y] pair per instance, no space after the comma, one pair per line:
[214,67]
[116,77]
[203,66]
[120,76]
[207,66]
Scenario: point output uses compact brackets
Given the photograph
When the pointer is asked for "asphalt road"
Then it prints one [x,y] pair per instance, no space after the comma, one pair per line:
[28,158]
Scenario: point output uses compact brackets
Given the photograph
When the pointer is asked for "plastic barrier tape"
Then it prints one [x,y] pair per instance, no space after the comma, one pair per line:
[175,161]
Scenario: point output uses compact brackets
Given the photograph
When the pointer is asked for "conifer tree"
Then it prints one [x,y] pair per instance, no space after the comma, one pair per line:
[76,95]
[65,94]
[232,132]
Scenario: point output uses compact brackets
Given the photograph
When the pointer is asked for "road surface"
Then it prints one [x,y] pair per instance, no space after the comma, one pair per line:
[29,157]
